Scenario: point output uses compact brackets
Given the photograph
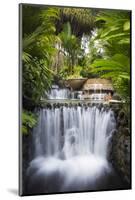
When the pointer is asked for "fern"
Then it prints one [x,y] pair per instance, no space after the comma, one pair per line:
[28,121]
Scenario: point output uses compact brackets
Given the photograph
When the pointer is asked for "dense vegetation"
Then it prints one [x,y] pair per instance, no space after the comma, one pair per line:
[62,43]
[115,38]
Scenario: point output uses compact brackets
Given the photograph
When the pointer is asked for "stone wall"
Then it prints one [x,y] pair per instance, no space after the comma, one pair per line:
[120,147]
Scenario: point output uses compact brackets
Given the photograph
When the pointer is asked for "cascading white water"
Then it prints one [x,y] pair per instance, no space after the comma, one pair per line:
[83,130]
[66,93]
[59,93]
[70,149]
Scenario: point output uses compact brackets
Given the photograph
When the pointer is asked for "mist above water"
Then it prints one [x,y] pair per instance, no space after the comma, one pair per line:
[51,174]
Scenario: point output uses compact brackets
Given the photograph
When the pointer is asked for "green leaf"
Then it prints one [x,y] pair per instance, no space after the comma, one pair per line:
[126,26]
[28,121]
[24,130]
[117,36]
[26,57]
[124,41]
[125,76]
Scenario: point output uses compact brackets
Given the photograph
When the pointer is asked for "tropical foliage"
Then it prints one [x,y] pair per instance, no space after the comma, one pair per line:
[81,20]
[37,54]
[28,121]
[38,50]
[63,43]
[115,35]
[71,46]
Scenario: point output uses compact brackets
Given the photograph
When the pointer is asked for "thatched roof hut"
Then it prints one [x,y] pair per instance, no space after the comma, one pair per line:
[98,84]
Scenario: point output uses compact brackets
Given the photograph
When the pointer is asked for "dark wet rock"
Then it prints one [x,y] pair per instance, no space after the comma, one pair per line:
[79,104]
[116,111]
[48,105]
[120,152]
[89,104]
[100,107]
[93,104]
[122,119]
[107,108]
[119,145]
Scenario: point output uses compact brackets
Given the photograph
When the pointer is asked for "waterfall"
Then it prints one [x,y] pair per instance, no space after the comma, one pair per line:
[70,146]
[59,93]
[65,93]
[73,131]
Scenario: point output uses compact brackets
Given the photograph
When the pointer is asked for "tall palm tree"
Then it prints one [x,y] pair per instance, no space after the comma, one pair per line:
[82,20]
[71,46]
